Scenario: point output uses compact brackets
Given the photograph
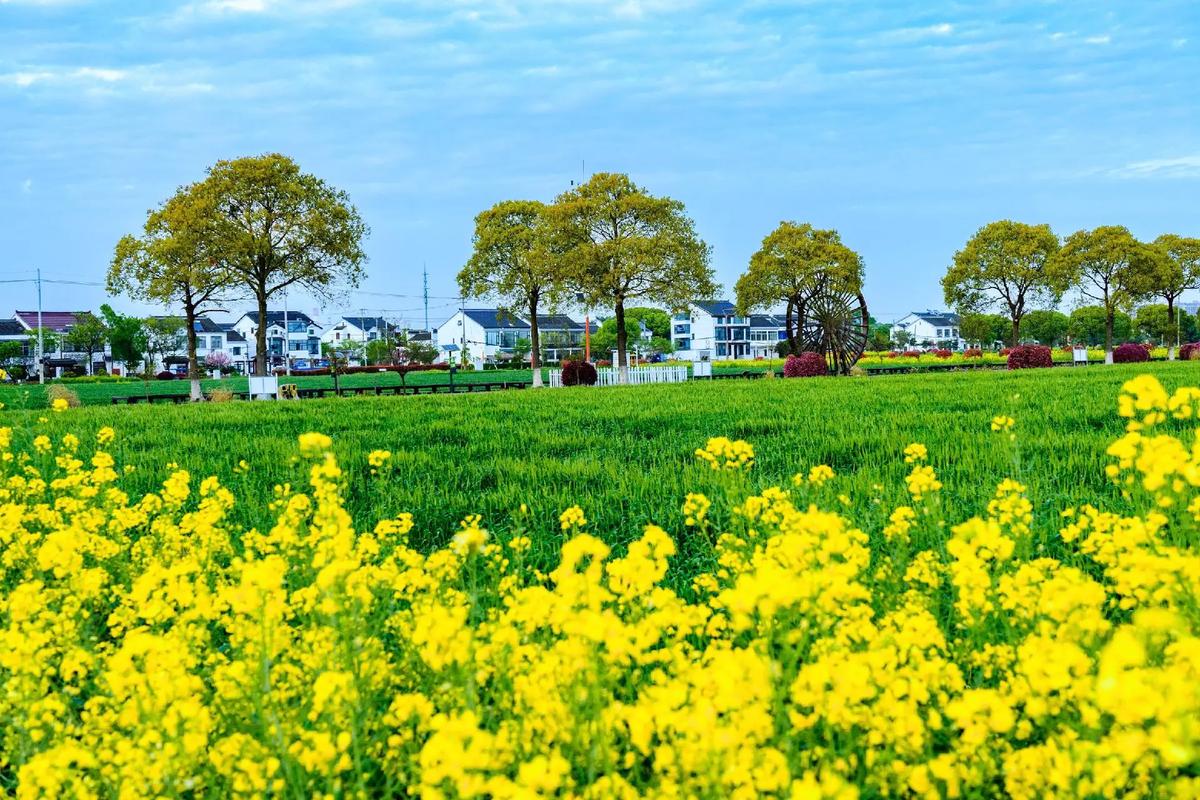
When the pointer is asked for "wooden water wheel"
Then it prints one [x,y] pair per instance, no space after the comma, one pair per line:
[836,325]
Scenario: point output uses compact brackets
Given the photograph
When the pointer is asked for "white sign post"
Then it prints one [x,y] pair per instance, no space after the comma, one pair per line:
[1080,355]
[264,387]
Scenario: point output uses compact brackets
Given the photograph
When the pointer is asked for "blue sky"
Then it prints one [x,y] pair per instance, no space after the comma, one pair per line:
[906,126]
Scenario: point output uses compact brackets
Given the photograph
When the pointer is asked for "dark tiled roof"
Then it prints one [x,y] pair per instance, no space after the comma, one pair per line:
[367,323]
[233,336]
[276,317]
[206,325]
[718,308]
[52,320]
[558,322]
[10,327]
[492,319]
[938,318]
[766,321]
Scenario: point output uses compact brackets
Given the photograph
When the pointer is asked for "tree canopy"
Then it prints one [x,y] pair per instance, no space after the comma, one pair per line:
[621,243]
[1007,265]
[275,227]
[1045,326]
[1110,267]
[514,262]
[1088,325]
[172,263]
[795,262]
[1177,271]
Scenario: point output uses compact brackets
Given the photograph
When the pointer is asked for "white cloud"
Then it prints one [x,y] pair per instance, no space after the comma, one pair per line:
[1105,39]
[1182,167]
[27,186]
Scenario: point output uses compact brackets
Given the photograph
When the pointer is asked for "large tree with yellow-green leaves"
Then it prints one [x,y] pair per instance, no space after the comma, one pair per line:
[622,243]
[277,227]
[1010,266]
[795,262]
[171,263]
[513,262]
[1110,267]
[1175,273]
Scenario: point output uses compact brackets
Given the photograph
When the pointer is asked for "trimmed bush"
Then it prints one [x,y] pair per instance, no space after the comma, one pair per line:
[973,352]
[943,353]
[578,373]
[912,354]
[165,375]
[1030,356]
[805,365]
[1190,351]
[1130,353]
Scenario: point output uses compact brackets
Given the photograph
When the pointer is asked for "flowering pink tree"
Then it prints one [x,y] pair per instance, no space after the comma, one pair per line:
[218,360]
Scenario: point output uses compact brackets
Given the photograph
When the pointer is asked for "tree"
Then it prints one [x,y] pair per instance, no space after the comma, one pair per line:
[379,351]
[1045,326]
[1089,325]
[604,340]
[1010,265]
[170,264]
[219,361]
[524,347]
[48,338]
[903,339]
[657,321]
[1177,271]
[795,262]
[515,263]
[276,227]
[12,355]
[162,339]
[621,243]
[340,355]
[1110,267]
[1155,322]
[881,336]
[411,351]
[87,335]
[126,337]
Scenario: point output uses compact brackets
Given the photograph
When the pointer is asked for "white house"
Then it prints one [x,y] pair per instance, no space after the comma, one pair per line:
[213,337]
[303,337]
[930,328]
[358,329]
[481,333]
[59,353]
[562,337]
[715,329]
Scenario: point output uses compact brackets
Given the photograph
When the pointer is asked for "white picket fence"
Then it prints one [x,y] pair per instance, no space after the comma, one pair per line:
[609,376]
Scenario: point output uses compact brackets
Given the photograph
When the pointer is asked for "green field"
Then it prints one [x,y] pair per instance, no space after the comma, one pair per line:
[625,455]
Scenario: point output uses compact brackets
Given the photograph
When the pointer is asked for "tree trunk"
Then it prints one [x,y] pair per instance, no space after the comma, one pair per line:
[1016,331]
[260,335]
[622,342]
[189,316]
[535,339]
[1108,336]
[789,323]
[1172,330]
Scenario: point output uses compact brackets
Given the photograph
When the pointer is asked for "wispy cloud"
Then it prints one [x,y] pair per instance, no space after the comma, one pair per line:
[1181,167]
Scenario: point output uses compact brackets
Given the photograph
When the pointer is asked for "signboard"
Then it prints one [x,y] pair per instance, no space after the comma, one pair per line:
[264,387]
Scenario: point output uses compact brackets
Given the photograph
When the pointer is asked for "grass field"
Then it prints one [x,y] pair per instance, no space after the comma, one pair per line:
[600,630]
[625,454]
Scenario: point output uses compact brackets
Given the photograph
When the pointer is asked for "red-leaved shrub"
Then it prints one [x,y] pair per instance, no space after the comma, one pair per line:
[893,354]
[912,353]
[972,352]
[165,375]
[1190,351]
[578,373]
[1130,353]
[1029,356]
[943,353]
[805,365]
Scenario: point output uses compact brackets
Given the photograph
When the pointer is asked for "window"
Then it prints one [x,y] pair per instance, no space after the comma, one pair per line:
[337,337]
[216,343]
[237,351]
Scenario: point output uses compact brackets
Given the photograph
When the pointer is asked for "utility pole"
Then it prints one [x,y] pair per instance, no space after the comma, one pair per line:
[41,347]
[425,275]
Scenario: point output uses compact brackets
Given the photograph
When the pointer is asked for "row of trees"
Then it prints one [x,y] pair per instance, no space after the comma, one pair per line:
[603,243]
[1084,325]
[1016,268]
[253,227]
